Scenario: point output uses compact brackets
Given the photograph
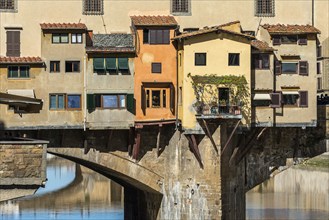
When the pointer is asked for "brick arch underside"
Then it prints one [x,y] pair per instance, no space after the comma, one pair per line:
[122,170]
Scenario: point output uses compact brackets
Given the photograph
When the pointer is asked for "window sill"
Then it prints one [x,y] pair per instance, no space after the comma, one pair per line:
[13,78]
[181,13]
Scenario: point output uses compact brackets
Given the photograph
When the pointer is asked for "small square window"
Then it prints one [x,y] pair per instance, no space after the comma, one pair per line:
[18,71]
[54,66]
[56,101]
[200,59]
[73,101]
[60,38]
[233,59]
[156,67]
[76,38]
[72,66]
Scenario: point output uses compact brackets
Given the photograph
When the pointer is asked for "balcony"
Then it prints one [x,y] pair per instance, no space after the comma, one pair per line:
[213,111]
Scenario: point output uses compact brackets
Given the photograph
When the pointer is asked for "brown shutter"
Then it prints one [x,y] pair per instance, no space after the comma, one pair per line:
[13,44]
[153,36]
[303,68]
[143,99]
[166,36]
[172,98]
[303,99]
[302,40]
[276,40]
[277,67]
[275,100]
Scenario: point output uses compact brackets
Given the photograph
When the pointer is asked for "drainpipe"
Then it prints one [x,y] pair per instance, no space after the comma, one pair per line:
[312,12]
[84,91]
[177,88]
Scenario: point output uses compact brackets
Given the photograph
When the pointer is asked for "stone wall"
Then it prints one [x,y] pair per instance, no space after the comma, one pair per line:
[22,164]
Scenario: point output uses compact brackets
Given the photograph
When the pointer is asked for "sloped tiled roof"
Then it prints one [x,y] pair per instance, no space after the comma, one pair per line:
[153,20]
[59,26]
[261,46]
[20,60]
[206,30]
[291,29]
[119,43]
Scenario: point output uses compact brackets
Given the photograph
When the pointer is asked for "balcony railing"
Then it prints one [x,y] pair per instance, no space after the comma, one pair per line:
[224,111]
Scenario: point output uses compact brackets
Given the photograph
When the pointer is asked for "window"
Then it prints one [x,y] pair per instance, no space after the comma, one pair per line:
[264,8]
[261,103]
[18,71]
[76,38]
[56,101]
[290,99]
[303,68]
[156,67]
[13,43]
[261,61]
[7,5]
[275,100]
[73,102]
[233,59]
[302,40]
[289,39]
[111,65]
[200,59]
[60,38]
[111,101]
[72,66]
[180,6]
[319,51]
[318,67]
[319,84]
[64,101]
[93,7]
[54,66]
[156,36]
[303,99]
[288,68]
[156,98]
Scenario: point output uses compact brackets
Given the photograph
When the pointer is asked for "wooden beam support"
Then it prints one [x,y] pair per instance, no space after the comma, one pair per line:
[194,148]
[137,144]
[230,137]
[130,140]
[158,140]
[210,136]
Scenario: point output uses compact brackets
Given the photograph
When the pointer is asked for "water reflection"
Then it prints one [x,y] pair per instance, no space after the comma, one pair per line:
[71,192]
[293,194]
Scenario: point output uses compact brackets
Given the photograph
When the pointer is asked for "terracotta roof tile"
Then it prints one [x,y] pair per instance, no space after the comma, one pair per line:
[21,60]
[206,30]
[58,26]
[153,20]
[261,45]
[291,29]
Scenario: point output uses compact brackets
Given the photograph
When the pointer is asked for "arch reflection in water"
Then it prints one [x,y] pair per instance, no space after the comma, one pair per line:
[71,192]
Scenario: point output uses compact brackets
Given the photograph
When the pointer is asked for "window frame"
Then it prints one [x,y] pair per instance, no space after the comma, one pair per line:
[260,5]
[284,99]
[76,35]
[6,8]
[174,9]
[67,102]
[163,103]
[90,9]
[238,59]
[72,66]
[259,58]
[284,72]
[18,72]
[156,67]
[56,96]
[199,63]
[51,65]
[60,35]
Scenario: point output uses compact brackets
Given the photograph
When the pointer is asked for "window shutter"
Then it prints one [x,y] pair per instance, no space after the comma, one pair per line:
[303,68]
[275,100]
[111,63]
[303,99]
[166,36]
[143,99]
[153,36]
[276,40]
[99,63]
[302,40]
[13,44]
[123,63]
[90,102]
[277,67]
[172,98]
[159,36]
[131,103]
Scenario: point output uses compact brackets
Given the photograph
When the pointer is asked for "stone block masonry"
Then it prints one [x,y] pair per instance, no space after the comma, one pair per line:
[22,163]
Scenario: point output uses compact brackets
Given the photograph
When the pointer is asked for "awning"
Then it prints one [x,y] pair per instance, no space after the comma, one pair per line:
[25,97]
[22,92]
[290,92]
[262,97]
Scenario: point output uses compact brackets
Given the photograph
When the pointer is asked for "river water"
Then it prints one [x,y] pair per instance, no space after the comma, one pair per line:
[75,192]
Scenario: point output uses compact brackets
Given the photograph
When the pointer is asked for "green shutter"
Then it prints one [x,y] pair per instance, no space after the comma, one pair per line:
[90,102]
[123,63]
[131,103]
[99,64]
[111,64]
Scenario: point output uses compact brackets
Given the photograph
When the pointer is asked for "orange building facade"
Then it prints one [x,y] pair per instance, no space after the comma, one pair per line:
[155,68]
